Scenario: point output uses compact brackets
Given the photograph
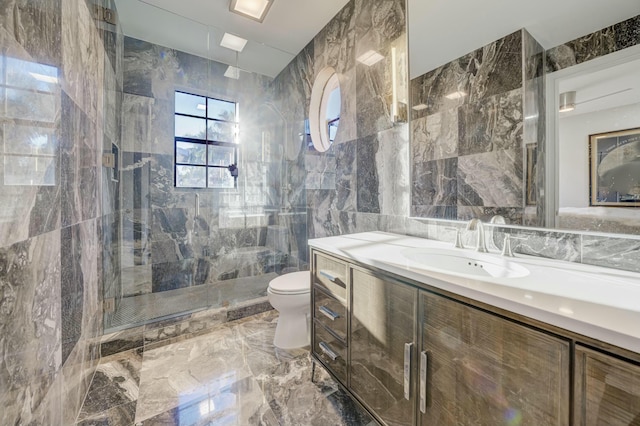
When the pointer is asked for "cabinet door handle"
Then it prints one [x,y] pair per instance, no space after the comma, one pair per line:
[328,313]
[328,351]
[408,348]
[328,275]
[424,367]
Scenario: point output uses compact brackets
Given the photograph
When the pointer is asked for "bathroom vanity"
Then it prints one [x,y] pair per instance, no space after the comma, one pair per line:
[531,341]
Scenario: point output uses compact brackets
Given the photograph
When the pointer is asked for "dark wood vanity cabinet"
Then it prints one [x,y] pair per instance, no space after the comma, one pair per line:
[477,368]
[607,390]
[413,355]
[382,345]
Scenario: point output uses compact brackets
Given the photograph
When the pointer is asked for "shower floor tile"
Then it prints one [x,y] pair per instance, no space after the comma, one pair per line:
[232,375]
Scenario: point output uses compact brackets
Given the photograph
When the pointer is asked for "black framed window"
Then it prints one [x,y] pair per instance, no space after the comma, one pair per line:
[205,141]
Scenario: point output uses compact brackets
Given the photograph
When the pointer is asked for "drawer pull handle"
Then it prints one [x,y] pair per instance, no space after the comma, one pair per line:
[424,367]
[408,348]
[328,351]
[328,275]
[328,313]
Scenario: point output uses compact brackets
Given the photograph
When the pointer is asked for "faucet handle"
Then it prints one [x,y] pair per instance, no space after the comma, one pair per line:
[506,246]
[458,241]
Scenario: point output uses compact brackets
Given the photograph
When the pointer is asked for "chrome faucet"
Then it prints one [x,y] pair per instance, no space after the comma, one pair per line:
[476,224]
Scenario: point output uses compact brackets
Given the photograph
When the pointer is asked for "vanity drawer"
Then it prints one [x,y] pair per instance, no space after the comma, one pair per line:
[330,312]
[330,351]
[331,274]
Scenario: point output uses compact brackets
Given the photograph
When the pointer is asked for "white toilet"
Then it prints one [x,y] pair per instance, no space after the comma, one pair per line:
[290,295]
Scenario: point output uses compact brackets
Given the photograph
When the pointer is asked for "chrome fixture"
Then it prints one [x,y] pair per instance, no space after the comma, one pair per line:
[476,224]
[567,101]
[458,241]
[506,245]
[498,220]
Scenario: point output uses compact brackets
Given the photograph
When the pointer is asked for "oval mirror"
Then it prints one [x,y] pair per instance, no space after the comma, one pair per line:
[324,111]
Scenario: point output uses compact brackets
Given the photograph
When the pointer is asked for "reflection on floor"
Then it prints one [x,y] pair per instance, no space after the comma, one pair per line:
[230,376]
[138,310]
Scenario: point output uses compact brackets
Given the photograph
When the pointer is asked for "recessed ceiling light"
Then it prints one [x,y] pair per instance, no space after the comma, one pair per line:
[202,107]
[233,42]
[456,95]
[232,72]
[419,107]
[370,57]
[252,9]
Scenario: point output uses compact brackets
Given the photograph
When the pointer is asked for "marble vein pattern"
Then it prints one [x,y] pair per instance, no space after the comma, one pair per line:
[492,179]
[82,58]
[30,325]
[368,200]
[435,136]
[599,43]
[231,375]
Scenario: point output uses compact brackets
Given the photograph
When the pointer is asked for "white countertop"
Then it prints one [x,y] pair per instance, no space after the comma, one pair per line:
[597,302]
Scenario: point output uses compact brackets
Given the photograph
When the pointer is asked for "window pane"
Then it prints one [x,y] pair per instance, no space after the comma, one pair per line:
[29,105]
[31,171]
[221,155]
[189,127]
[220,178]
[33,140]
[222,110]
[191,176]
[191,153]
[31,75]
[221,132]
[191,104]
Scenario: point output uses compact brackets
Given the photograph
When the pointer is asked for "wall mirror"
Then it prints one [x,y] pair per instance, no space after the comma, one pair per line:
[487,136]
[324,109]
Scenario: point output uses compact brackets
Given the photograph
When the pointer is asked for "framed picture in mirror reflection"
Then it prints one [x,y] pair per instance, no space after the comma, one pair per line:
[614,166]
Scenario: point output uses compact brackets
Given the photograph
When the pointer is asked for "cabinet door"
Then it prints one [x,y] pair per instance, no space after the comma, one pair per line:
[383,324]
[607,390]
[482,369]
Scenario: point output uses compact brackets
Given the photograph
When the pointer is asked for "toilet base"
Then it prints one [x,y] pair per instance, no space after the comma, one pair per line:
[292,331]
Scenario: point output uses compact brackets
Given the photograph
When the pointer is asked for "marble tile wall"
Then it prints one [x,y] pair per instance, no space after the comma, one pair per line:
[467,150]
[365,173]
[165,245]
[599,43]
[56,254]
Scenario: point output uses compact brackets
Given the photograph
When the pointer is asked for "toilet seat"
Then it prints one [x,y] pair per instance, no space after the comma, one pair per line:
[292,283]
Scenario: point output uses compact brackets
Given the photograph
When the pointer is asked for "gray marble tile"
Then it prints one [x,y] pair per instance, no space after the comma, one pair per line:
[148,69]
[190,370]
[368,184]
[78,165]
[393,169]
[346,177]
[36,26]
[493,124]
[147,124]
[492,179]
[435,183]
[512,215]
[491,70]
[123,414]
[548,244]
[334,45]
[82,58]
[607,40]
[30,324]
[114,383]
[121,341]
[373,90]
[611,252]
[435,137]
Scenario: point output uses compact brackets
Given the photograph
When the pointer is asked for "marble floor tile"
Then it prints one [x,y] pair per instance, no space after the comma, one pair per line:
[232,375]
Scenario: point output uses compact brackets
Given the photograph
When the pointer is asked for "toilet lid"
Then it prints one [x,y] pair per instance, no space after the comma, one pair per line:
[292,283]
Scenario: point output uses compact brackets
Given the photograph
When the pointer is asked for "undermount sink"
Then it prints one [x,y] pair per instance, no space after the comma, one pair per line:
[465,263]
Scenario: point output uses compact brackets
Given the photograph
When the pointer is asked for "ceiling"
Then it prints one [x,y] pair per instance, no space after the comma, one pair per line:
[197,27]
[604,89]
[443,30]
[440,30]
